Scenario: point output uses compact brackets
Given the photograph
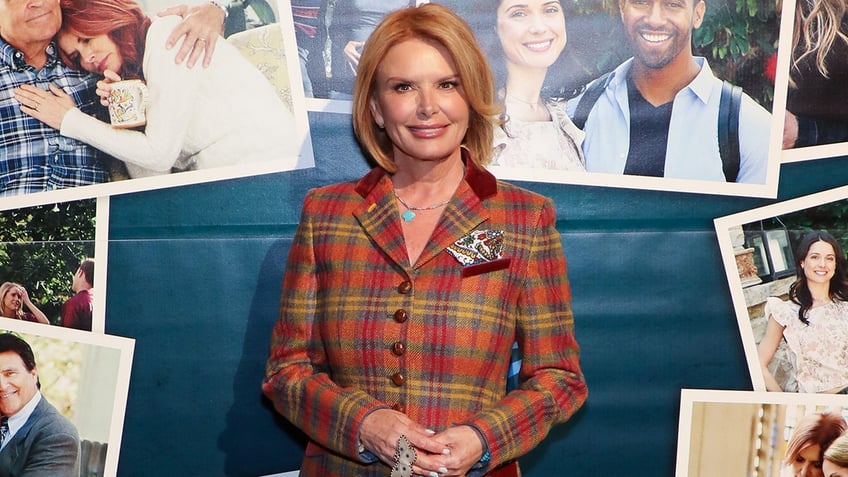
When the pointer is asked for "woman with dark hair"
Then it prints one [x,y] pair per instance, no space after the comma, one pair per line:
[197,118]
[524,38]
[404,291]
[814,321]
[812,435]
[13,299]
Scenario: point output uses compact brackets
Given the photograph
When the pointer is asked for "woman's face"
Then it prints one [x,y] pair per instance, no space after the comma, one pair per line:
[807,463]
[820,263]
[419,100]
[95,54]
[12,300]
[532,32]
[833,470]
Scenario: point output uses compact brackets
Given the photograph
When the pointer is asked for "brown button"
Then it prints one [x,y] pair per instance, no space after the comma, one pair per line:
[398,379]
[399,407]
[401,315]
[404,287]
[398,348]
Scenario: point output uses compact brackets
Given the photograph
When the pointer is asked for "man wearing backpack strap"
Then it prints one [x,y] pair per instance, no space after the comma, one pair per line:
[663,113]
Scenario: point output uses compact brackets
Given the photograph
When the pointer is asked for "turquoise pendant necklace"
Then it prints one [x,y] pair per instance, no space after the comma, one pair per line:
[410,214]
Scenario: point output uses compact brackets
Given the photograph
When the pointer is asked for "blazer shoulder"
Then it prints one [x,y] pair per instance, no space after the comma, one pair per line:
[514,193]
[46,418]
[337,190]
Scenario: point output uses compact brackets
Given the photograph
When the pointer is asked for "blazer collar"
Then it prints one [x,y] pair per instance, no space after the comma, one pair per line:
[377,214]
[481,181]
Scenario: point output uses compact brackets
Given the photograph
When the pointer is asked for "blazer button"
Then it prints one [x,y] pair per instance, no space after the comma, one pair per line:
[401,315]
[404,287]
[398,379]
[399,407]
[398,348]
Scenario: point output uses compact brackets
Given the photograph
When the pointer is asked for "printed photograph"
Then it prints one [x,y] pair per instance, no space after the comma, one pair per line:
[50,260]
[788,277]
[761,434]
[589,98]
[65,396]
[139,94]
[816,123]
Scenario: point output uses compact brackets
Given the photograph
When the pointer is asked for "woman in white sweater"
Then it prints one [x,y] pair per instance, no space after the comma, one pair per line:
[197,118]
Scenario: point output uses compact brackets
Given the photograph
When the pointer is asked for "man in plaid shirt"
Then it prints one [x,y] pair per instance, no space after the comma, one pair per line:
[33,156]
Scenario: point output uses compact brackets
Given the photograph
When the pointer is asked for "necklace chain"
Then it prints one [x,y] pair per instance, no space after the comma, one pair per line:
[412,207]
[531,104]
[409,214]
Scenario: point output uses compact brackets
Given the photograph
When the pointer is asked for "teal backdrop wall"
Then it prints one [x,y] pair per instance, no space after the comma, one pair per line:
[194,276]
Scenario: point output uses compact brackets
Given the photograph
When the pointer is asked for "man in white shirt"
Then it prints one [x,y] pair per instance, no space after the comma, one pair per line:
[35,439]
[658,113]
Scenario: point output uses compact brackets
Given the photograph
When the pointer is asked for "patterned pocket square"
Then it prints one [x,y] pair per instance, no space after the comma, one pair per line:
[479,246]
[479,252]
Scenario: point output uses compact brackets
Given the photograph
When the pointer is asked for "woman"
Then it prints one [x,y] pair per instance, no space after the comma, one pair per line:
[536,132]
[818,74]
[13,298]
[814,321]
[813,434]
[405,291]
[835,458]
[197,118]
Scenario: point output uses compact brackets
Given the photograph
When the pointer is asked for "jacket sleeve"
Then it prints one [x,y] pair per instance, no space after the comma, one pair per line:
[297,380]
[552,386]
[54,451]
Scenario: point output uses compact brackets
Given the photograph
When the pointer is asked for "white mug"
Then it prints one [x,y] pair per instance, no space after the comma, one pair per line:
[127,104]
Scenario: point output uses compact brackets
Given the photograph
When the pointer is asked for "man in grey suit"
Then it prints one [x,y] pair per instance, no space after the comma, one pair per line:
[35,439]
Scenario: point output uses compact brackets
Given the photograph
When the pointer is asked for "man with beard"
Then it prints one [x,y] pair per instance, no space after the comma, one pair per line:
[657,114]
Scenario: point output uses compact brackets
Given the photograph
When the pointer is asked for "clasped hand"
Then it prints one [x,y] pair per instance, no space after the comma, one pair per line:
[451,452]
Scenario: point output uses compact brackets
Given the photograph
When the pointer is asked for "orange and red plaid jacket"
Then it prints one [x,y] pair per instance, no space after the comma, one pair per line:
[361,328]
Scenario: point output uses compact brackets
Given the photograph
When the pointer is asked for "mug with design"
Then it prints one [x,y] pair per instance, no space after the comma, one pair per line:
[127,104]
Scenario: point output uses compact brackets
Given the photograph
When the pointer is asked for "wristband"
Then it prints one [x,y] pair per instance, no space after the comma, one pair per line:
[486,457]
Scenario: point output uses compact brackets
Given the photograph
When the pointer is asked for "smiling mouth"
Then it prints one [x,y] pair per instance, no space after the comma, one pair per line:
[539,45]
[655,37]
[7,395]
[427,131]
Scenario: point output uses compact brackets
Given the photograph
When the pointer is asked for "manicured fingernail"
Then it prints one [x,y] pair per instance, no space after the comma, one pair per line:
[433,474]
[443,470]
[446,451]
[430,431]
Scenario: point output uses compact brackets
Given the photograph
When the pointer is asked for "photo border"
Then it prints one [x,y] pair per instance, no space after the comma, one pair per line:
[766,190]
[689,396]
[302,135]
[126,348]
[781,88]
[722,228]
[100,243]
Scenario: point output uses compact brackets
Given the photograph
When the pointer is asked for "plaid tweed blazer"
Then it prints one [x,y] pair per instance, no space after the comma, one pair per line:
[361,328]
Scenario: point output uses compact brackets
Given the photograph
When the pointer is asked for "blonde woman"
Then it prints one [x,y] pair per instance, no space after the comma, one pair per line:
[818,74]
[13,299]
[835,462]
